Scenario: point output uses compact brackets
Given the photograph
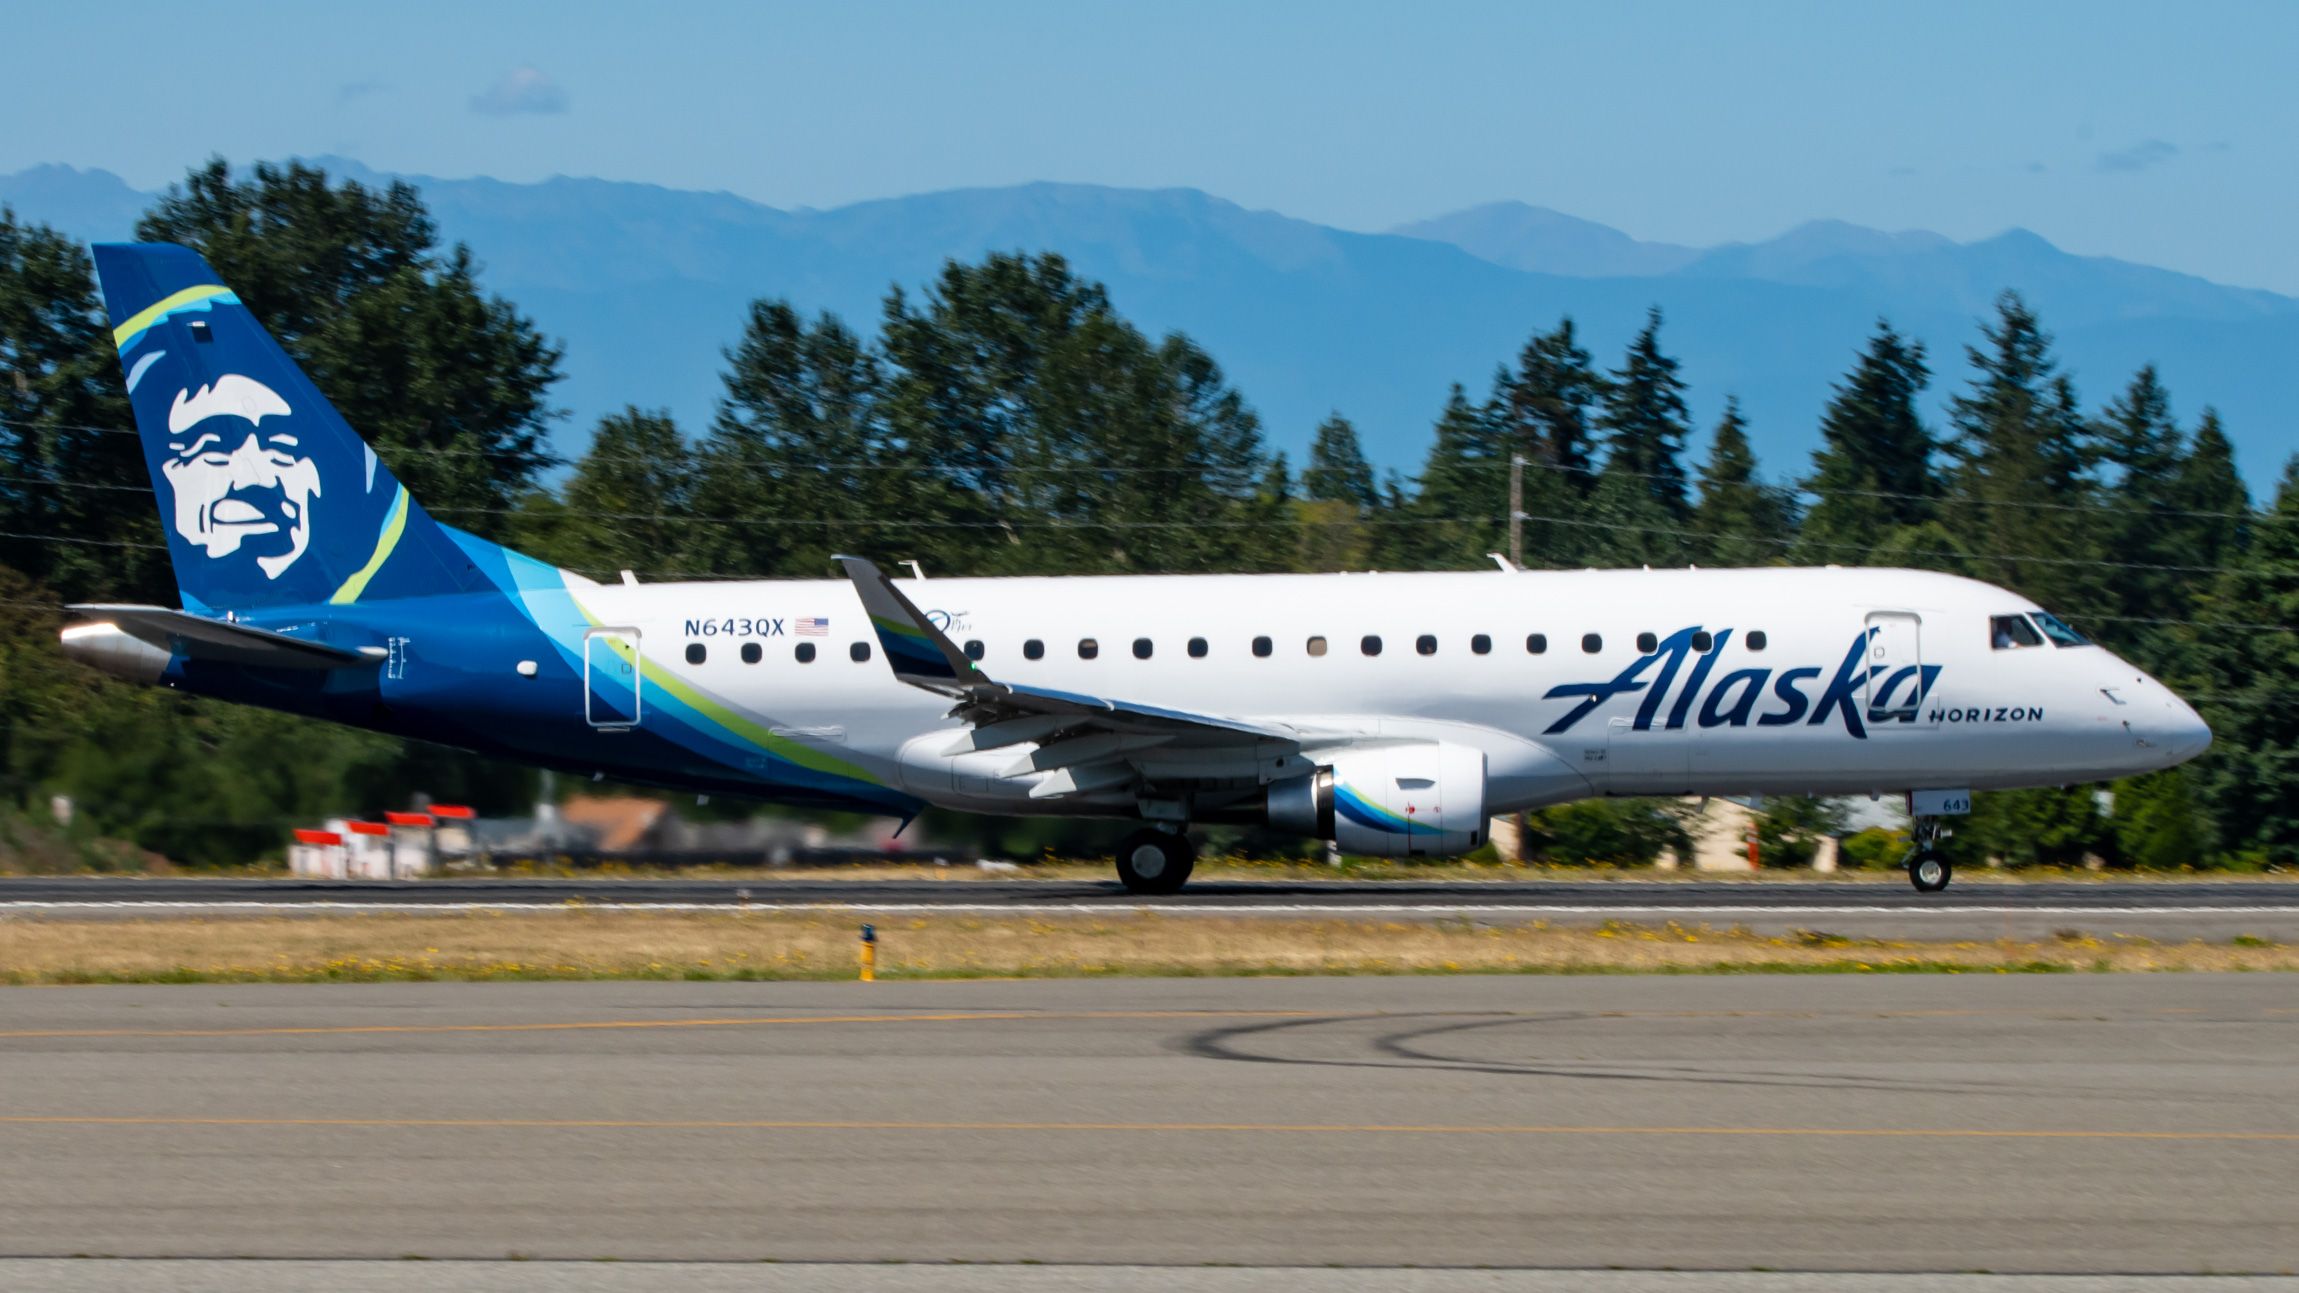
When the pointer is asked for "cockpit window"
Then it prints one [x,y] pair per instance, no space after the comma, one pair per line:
[2057,630]
[2008,631]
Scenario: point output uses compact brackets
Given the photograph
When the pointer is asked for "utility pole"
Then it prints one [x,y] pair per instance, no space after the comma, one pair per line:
[1517,510]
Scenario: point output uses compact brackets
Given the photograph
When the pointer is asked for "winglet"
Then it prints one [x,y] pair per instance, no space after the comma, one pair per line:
[920,653]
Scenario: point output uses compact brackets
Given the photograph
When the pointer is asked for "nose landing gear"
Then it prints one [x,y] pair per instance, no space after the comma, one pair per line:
[1155,861]
[1928,869]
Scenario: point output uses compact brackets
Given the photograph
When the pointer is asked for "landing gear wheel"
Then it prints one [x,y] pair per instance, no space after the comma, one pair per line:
[1929,871]
[1154,861]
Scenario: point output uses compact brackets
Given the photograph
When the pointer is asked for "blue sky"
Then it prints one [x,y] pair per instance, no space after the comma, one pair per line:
[2159,133]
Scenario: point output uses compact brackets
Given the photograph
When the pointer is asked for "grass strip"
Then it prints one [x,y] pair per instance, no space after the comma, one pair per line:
[388,947]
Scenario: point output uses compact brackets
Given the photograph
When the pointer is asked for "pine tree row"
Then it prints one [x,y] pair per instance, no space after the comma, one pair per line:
[1008,419]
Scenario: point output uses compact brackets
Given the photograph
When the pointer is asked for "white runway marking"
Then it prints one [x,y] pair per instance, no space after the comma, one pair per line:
[1095,907]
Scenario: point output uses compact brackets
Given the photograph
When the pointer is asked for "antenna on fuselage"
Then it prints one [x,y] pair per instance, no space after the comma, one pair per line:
[917,571]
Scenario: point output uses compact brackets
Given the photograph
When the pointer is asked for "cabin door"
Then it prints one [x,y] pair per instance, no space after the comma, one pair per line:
[1895,668]
[611,678]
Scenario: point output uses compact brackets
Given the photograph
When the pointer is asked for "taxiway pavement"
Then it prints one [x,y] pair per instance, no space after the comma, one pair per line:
[2115,1125]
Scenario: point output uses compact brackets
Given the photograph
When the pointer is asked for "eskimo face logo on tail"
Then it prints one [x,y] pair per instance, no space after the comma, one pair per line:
[240,488]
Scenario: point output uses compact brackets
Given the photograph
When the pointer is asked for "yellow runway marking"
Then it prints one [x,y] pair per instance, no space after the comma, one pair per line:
[1410,1129]
[738,1021]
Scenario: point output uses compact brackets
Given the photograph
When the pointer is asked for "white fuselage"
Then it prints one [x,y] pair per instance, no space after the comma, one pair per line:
[1835,681]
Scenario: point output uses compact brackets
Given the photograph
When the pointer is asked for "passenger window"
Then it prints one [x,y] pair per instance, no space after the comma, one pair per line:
[2009,632]
[1033,650]
[858,652]
[1592,643]
[1536,643]
[1317,646]
[805,653]
[1481,644]
[696,653]
[1088,648]
[1262,647]
[1702,641]
[1370,644]
[1647,643]
[752,652]
[1426,644]
[2057,630]
[1141,648]
[1197,648]
[1755,639]
[974,648]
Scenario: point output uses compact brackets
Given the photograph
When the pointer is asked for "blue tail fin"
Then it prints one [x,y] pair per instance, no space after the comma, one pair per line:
[268,497]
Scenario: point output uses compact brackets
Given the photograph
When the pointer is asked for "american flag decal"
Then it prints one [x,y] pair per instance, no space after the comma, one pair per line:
[813,626]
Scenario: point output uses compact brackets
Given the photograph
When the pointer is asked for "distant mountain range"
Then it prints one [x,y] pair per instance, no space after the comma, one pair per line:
[647,285]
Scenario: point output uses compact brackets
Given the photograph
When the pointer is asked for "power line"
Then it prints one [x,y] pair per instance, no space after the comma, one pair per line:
[1788,541]
[1272,523]
[728,577]
[1284,523]
[88,543]
[994,470]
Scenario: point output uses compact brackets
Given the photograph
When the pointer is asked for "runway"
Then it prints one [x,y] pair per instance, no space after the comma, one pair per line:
[2113,1125]
[2211,910]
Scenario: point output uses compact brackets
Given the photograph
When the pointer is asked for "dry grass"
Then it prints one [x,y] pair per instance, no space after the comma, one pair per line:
[629,945]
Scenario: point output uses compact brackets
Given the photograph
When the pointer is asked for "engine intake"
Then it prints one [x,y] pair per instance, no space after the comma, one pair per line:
[1419,799]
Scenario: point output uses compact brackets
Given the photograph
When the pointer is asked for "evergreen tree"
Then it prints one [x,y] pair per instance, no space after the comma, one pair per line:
[1547,403]
[2204,515]
[1272,521]
[2017,500]
[1628,527]
[1338,471]
[629,504]
[2144,525]
[797,466]
[2157,823]
[1392,537]
[2249,781]
[445,382]
[2211,492]
[1458,514]
[1740,520]
[71,477]
[2021,457]
[1543,411]
[1338,500]
[2053,826]
[1645,423]
[1872,474]
[1053,423]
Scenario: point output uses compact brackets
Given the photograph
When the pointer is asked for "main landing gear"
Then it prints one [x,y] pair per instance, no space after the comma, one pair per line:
[1928,868]
[1155,861]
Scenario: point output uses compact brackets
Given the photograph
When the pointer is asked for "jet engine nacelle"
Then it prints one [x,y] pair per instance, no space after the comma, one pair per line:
[1418,799]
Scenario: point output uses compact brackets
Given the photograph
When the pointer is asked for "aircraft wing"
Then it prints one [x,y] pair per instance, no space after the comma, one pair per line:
[201,638]
[1087,742]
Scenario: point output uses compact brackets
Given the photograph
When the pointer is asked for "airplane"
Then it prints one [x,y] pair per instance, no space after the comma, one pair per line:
[1389,714]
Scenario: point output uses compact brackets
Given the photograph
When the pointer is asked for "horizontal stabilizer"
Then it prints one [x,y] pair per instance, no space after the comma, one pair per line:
[200,638]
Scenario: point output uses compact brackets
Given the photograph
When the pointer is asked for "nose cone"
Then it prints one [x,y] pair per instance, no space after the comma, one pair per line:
[2185,733]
